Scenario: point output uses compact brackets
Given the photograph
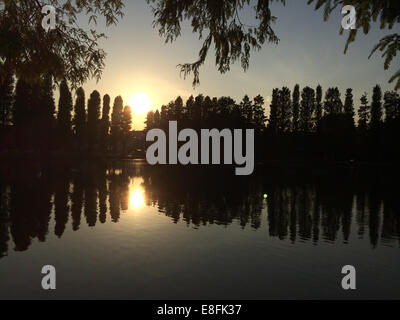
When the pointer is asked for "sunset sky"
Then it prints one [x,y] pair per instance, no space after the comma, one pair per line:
[310,53]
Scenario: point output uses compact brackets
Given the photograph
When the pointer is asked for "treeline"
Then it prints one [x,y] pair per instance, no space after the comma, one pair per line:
[30,121]
[306,124]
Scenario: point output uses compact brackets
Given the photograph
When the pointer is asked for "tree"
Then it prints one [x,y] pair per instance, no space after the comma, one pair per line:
[116,122]
[93,118]
[306,109]
[79,120]
[220,20]
[333,103]
[207,108]
[219,25]
[22,104]
[46,110]
[47,98]
[368,12]
[274,106]
[126,126]
[178,109]
[363,114]
[285,110]
[376,108]
[157,119]
[296,108]
[67,53]
[105,121]
[259,117]
[189,109]
[391,106]
[6,98]
[126,121]
[197,108]
[349,104]
[247,109]
[318,105]
[64,113]
[150,121]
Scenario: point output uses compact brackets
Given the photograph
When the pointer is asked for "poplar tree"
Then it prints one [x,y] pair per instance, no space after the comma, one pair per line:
[93,118]
[296,108]
[79,120]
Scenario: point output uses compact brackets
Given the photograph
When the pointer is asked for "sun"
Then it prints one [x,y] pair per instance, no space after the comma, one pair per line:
[140,103]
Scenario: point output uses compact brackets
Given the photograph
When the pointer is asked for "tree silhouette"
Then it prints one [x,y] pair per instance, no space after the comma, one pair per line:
[220,26]
[230,33]
[126,126]
[45,113]
[69,52]
[368,12]
[64,114]
[93,119]
[333,103]
[363,114]
[296,108]
[307,107]
[116,122]
[391,106]
[247,109]
[259,117]
[105,122]
[22,104]
[376,108]
[318,105]
[348,103]
[274,111]
[79,120]
[178,109]
[285,110]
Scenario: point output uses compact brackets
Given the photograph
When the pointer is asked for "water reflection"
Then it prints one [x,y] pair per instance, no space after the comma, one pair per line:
[137,193]
[302,205]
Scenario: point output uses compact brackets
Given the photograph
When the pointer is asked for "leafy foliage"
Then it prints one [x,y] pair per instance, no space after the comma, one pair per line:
[68,52]
[218,24]
[369,11]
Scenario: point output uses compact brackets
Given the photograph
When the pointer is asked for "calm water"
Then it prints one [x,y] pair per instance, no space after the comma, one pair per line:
[127,230]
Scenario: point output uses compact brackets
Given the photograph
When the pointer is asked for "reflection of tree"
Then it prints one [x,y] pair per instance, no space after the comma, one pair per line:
[61,203]
[391,219]
[103,193]
[29,209]
[77,201]
[301,206]
[198,199]
[115,198]
[374,213]
[124,185]
[90,209]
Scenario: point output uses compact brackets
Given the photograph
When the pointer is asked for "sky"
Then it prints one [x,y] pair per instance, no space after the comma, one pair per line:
[310,52]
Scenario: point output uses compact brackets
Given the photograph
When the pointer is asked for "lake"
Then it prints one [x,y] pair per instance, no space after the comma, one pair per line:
[126,230]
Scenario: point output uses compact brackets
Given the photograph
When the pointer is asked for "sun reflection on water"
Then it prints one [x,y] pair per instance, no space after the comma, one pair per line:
[136,194]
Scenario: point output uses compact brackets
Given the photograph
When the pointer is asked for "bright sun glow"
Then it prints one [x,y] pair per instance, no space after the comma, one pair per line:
[140,103]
